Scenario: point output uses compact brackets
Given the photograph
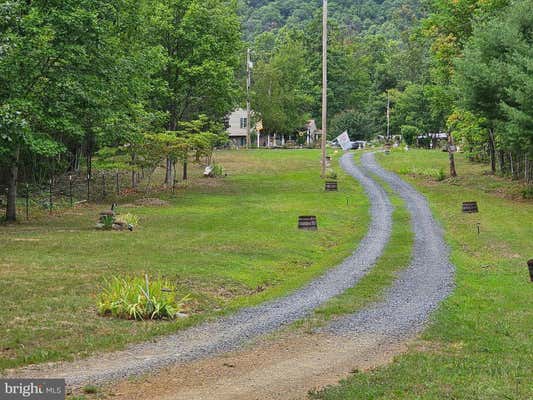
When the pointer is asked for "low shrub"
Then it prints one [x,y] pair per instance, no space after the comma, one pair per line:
[90,389]
[434,173]
[440,175]
[527,192]
[129,219]
[107,222]
[138,298]
[331,174]
[218,170]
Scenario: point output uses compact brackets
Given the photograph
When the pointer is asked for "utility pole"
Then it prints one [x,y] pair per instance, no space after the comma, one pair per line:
[388,115]
[324,83]
[248,86]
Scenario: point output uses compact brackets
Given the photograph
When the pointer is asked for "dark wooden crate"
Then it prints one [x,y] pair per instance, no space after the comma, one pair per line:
[308,223]
[332,186]
[470,207]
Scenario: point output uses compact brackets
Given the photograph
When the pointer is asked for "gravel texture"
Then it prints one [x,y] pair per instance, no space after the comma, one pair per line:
[421,287]
[232,332]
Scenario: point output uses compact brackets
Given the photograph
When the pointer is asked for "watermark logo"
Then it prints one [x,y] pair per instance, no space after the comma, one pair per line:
[33,389]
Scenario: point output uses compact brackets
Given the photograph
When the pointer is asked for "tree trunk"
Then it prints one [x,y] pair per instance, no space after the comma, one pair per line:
[529,177]
[451,150]
[526,169]
[168,174]
[492,151]
[175,174]
[133,181]
[11,210]
[185,176]
[172,127]
[501,156]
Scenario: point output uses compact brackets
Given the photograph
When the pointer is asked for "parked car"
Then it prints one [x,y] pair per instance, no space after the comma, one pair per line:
[358,144]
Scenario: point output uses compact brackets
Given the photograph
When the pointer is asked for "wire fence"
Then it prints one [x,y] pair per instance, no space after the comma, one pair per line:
[70,190]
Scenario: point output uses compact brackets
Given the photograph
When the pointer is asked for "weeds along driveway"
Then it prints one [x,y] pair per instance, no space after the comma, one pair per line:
[230,333]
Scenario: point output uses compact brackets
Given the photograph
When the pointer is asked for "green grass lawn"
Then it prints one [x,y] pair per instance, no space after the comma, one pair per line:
[479,345]
[230,242]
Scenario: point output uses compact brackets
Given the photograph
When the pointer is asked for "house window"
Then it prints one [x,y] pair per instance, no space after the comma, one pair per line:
[244,122]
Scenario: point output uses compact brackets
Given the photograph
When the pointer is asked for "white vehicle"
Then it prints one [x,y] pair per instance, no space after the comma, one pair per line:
[358,144]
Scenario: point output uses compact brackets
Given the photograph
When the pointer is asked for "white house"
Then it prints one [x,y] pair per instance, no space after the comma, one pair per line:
[313,134]
[237,132]
[237,127]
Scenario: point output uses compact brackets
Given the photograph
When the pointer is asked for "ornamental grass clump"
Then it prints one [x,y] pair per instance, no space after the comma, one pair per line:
[138,298]
[130,220]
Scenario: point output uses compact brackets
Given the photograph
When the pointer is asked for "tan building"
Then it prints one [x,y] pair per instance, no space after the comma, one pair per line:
[312,134]
[237,132]
[237,127]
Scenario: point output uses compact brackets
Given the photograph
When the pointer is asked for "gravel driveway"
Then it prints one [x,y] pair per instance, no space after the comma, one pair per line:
[232,332]
[422,286]
[406,308]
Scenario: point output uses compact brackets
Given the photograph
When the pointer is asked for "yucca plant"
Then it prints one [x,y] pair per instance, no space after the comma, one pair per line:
[139,298]
[107,222]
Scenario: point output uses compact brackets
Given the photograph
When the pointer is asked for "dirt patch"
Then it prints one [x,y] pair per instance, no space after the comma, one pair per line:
[287,368]
[151,201]
[210,182]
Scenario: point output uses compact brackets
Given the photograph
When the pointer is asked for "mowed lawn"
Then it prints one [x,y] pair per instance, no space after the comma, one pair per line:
[229,242]
[480,344]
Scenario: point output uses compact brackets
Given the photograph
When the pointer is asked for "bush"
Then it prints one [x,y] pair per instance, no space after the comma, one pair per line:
[129,219]
[107,222]
[218,170]
[409,133]
[330,174]
[138,298]
[527,193]
[438,174]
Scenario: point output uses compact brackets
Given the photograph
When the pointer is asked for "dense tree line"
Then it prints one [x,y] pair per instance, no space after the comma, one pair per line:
[120,77]
[137,83]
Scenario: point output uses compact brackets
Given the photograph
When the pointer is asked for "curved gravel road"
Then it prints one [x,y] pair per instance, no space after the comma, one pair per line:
[292,365]
[230,333]
[407,306]
[422,286]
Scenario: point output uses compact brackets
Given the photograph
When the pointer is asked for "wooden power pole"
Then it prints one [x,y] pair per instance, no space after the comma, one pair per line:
[248,86]
[324,83]
[388,116]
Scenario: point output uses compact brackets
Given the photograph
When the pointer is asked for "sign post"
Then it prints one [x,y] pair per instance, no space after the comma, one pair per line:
[344,141]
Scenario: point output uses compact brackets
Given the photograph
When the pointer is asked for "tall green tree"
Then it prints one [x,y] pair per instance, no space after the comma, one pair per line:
[202,45]
[493,78]
[282,88]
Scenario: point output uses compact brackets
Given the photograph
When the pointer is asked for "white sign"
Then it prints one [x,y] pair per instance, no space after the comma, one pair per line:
[344,141]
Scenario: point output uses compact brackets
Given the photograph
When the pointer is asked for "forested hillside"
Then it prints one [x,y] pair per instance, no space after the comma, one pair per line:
[389,17]
[371,53]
